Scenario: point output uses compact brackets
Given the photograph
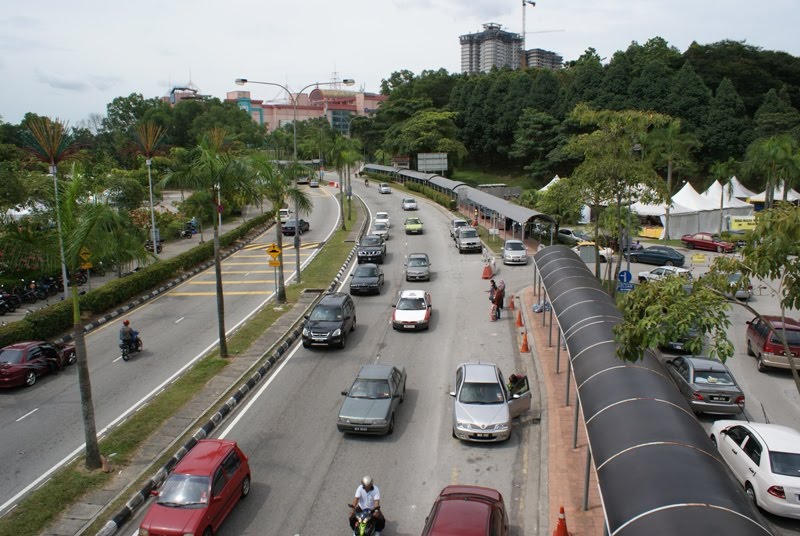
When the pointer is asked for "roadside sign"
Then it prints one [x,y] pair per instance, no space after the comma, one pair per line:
[699,258]
[273,251]
[86,265]
[624,287]
[275,263]
[84,253]
[625,277]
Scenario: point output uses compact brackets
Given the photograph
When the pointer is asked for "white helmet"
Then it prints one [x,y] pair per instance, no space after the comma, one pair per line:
[366,481]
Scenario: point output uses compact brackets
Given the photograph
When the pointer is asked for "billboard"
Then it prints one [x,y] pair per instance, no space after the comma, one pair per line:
[430,162]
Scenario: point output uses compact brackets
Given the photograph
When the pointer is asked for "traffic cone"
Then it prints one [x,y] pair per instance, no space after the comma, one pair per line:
[519,319]
[487,271]
[511,306]
[524,348]
[561,528]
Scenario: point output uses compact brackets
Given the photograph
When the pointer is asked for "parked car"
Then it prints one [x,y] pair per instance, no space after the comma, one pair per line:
[681,343]
[384,188]
[708,242]
[366,279]
[330,321]
[571,237]
[200,492]
[660,255]
[409,203]
[657,274]
[706,384]
[371,248]
[313,183]
[412,310]
[381,229]
[372,400]
[740,290]
[765,460]
[455,225]
[483,406]
[765,344]
[289,227]
[467,511]
[284,214]
[383,217]
[413,226]
[418,267]
[24,362]
[605,254]
[303,179]
[467,240]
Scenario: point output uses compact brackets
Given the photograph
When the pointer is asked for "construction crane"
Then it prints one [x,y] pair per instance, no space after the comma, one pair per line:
[524,33]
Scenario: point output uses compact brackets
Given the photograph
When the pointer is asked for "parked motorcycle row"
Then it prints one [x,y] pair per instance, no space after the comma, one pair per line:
[29,292]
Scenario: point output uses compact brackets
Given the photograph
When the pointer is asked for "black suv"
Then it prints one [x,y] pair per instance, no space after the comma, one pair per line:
[330,321]
[371,248]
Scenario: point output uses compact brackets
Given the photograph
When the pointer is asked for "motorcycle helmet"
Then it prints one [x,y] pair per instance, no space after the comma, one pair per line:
[366,481]
[126,322]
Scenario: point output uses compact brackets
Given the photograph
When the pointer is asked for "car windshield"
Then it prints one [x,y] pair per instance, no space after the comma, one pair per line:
[290,222]
[413,221]
[373,389]
[185,490]
[382,216]
[481,393]
[326,313]
[10,356]
[366,271]
[417,261]
[411,304]
[712,377]
[371,241]
[515,246]
[469,233]
[408,200]
[792,337]
[379,227]
[785,463]
[384,185]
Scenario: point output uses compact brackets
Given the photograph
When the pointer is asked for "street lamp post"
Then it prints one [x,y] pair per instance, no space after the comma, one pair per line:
[153,237]
[54,173]
[243,81]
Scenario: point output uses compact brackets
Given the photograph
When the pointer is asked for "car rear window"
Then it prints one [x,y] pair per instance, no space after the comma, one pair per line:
[785,463]
[11,357]
[712,377]
[792,337]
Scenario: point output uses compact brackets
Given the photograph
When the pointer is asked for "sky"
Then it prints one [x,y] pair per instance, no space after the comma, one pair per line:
[68,60]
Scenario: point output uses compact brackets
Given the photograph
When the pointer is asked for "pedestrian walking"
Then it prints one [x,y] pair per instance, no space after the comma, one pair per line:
[499,296]
[492,296]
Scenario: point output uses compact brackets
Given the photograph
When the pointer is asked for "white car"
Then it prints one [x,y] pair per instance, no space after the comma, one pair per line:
[605,254]
[514,252]
[412,310]
[284,214]
[383,217]
[409,203]
[765,459]
[657,274]
[384,188]
[380,229]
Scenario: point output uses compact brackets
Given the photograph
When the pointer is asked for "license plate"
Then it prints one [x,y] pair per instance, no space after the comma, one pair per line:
[360,428]
[408,326]
[483,435]
[316,339]
[718,398]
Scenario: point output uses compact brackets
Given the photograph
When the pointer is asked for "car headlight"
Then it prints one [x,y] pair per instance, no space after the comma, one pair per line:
[336,332]
[501,427]
[144,532]
[306,333]
[463,424]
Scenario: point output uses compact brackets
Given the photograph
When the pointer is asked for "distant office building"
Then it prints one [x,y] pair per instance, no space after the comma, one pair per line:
[492,47]
[543,59]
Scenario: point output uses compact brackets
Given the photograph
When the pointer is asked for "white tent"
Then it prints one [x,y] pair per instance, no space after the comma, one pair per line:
[549,184]
[792,195]
[688,197]
[739,191]
[726,195]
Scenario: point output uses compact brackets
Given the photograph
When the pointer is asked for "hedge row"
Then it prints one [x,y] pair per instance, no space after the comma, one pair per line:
[52,321]
[434,195]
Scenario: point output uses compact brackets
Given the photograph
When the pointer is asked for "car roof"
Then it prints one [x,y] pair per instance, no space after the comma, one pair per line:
[417,255]
[464,511]
[376,372]
[777,437]
[381,213]
[333,298]
[480,372]
[23,345]
[513,241]
[777,321]
[457,220]
[706,363]
[412,294]
[204,457]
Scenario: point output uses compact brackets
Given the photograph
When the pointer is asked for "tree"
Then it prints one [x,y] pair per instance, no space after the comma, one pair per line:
[535,137]
[688,98]
[222,174]
[560,201]
[668,145]
[342,154]
[147,137]
[431,131]
[776,116]
[279,186]
[773,158]
[723,172]
[727,130]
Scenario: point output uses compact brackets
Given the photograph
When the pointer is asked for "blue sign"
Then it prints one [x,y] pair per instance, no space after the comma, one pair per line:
[625,276]
[624,287]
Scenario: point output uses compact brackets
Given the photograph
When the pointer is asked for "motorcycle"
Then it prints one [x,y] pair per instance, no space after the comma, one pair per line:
[149,246]
[365,523]
[130,348]
[11,299]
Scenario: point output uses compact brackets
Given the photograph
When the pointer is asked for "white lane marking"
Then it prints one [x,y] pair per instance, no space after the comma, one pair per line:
[117,359]
[31,412]
[178,320]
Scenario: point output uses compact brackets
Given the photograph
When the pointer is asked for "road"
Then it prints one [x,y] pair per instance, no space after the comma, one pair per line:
[42,425]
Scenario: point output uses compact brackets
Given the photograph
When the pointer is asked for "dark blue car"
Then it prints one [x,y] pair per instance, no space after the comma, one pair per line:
[658,255]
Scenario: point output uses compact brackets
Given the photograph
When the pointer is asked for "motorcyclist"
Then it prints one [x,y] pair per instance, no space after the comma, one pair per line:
[368,496]
[366,182]
[127,335]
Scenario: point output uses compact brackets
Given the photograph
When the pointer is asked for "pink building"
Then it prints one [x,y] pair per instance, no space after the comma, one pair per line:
[337,105]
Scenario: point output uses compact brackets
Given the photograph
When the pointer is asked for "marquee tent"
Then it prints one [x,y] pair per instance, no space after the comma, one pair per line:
[739,191]
[792,195]
[727,195]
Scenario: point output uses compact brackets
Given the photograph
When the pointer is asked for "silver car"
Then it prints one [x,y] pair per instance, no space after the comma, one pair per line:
[514,252]
[372,400]
[409,203]
[418,267]
[483,405]
[707,385]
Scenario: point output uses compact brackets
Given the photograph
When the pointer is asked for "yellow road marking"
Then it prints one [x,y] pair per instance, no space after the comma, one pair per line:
[241,293]
[253,282]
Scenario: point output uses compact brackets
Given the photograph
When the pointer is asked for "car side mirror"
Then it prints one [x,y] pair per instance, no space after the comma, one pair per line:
[515,396]
[453,394]
[351,275]
[154,492]
[344,393]
[216,499]
[394,305]
[748,322]
[724,431]
[307,317]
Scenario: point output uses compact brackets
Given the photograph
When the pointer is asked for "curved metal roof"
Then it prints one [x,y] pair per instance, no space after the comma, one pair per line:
[657,471]
[416,175]
[445,183]
[517,213]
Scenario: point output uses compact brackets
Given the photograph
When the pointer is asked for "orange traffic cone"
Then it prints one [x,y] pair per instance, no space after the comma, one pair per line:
[511,302]
[487,272]
[519,319]
[561,528]
[524,348]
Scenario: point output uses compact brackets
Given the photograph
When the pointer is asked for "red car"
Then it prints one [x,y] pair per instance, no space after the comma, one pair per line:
[766,346]
[467,511]
[708,242]
[24,362]
[200,492]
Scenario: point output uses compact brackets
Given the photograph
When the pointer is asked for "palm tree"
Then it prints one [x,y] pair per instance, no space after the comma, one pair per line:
[223,175]
[279,186]
[147,137]
[668,145]
[341,155]
[772,157]
[723,172]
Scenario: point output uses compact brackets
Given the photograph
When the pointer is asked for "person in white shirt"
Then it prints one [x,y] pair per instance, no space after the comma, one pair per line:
[368,496]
